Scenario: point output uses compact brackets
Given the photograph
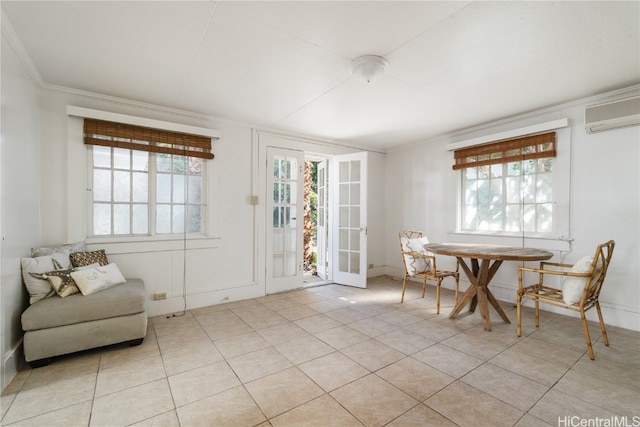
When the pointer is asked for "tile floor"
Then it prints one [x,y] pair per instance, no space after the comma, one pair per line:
[338,356]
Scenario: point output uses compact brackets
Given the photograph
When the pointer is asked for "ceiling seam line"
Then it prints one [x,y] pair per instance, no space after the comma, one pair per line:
[195,55]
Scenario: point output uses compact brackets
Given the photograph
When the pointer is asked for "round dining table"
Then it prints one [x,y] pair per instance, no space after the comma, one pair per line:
[484,263]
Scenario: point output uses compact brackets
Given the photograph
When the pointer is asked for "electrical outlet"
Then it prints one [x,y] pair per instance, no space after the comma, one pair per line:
[160,295]
[370,265]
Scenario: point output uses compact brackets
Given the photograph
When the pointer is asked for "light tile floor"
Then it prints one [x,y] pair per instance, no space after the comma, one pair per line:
[338,356]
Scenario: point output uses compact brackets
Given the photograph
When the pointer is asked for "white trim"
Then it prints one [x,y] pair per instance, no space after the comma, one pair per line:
[141,121]
[529,130]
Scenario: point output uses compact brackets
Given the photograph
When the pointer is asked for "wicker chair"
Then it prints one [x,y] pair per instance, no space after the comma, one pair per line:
[585,284]
[421,264]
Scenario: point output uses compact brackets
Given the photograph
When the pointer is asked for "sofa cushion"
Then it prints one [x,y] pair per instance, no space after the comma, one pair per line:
[129,298]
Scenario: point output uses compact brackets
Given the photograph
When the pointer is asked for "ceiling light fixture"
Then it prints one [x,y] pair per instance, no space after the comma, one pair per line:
[368,68]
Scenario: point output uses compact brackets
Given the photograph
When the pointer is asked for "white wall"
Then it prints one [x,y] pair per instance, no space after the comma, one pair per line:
[20,168]
[604,193]
[222,268]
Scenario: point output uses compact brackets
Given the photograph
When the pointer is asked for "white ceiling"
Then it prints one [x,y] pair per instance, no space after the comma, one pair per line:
[284,65]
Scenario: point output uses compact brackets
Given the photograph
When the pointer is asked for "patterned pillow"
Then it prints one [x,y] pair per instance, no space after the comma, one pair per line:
[32,274]
[81,259]
[62,282]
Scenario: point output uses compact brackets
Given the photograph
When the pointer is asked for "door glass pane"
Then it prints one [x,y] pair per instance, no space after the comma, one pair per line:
[344,171]
[290,242]
[355,263]
[278,241]
[343,261]
[354,241]
[344,240]
[343,219]
[290,264]
[278,265]
[355,170]
[344,194]
[354,214]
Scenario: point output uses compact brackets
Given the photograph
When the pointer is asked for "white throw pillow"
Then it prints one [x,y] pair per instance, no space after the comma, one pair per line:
[92,280]
[416,265]
[574,286]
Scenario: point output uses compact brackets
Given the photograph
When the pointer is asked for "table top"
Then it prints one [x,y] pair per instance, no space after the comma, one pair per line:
[482,251]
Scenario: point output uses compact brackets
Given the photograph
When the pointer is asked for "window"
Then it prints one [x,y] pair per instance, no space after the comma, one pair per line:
[144,185]
[507,187]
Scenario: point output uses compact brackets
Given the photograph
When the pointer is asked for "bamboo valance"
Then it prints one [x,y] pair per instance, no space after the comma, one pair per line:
[120,135]
[512,150]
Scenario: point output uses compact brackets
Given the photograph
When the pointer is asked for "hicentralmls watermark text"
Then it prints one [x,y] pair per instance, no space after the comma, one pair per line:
[614,421]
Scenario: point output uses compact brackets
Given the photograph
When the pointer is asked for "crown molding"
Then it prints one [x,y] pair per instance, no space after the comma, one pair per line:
[14,41]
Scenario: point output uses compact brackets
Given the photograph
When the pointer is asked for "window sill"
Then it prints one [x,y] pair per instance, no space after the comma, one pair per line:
[551,243]
[124,245]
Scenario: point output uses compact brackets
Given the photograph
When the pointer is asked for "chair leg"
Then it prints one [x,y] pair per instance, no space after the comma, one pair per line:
[404,286]
[602,327]
[438,295]
[537,314]
[518,315]
[424,286]
[586,334]
[457,287]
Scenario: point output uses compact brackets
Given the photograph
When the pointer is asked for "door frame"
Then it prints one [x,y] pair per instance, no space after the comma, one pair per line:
[259,142]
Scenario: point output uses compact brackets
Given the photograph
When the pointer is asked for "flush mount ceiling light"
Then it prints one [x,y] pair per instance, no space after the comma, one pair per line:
[368,68]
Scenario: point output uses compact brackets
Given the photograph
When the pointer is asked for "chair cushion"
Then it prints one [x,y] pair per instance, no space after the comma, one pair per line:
[126,299]
[416,265]
[573,287]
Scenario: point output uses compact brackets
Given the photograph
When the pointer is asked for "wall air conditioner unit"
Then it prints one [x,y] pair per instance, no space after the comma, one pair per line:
[612,115]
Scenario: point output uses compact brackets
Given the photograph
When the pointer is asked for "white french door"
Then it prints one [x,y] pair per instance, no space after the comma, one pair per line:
[349,225]
[322,229]
[284,236]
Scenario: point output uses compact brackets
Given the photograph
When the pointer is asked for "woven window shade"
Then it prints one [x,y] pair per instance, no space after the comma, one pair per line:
[513,150]
[120,135]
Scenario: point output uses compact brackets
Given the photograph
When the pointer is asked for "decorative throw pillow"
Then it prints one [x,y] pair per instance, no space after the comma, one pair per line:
[573,287]
[92,280]
[67,250]
[81,259]
[32,269]
[416,264]
[62,282]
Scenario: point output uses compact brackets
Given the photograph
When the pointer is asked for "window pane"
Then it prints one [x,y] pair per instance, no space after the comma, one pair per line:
[140,219]
[163,188]
[163,162]
[470,218]
[194,222]
[101,185]
[513,218]
[121,186]
[140,160]
[101,219]
[196,166]
[471,193]
[180,165]
[101,157]
[140,187]
[195,189]
[513,189]
[121,224]
[178,219]
[545,218]
[163,219]
[179,188]
[544,191]
[121,158]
